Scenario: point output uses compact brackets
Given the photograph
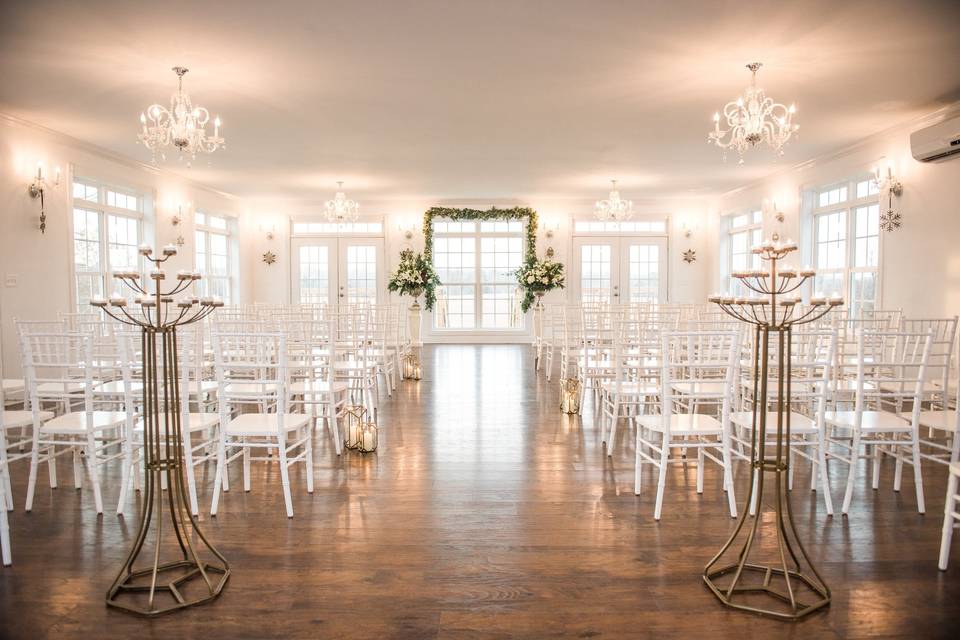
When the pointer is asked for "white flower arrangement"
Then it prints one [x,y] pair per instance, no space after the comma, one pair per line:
[540,276]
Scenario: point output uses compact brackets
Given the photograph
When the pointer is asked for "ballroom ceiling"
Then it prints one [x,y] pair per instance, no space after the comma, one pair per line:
[447,100]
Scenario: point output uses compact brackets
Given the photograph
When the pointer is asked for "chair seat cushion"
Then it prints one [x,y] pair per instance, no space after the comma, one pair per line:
[77,422]
[701,388]
[14,419]
[116,387]
[871,421]
[312,387]
[696,424]
[936,419]
[13,386]
[799,423]
[254,389]
[195,422]
[264,424]
[631,388]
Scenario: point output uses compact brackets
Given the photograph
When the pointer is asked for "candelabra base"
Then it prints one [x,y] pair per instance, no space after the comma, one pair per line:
[136,595]
[762,595]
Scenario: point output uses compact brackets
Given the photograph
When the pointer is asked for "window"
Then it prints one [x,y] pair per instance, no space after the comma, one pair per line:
[214,256]
[745,232]
[632,226]
[307,228]
[107,232]
[846,240]
[475,262]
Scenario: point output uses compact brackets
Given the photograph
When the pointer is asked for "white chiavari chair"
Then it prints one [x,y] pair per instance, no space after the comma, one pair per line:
[685,357]
[951,514]
[634,386]
[355,363]
[62,370]
[314,389]
[251,369]
[812,356]
[941,421]
[890,371]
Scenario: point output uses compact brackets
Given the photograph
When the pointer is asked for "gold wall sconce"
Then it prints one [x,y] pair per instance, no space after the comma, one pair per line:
[38,188]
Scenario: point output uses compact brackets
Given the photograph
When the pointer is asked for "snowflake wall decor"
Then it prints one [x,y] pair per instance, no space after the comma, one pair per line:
[269,257]
[689,256]
[891,220]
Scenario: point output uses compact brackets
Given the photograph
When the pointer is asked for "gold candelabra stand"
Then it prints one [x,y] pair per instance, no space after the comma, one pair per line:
[158,315]
[790,587]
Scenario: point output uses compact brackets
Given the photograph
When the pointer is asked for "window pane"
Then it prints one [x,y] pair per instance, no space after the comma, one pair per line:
[361,274]
[86,240]
[595,272]
[123,239]
[644,274]
[456,307]
[314,275]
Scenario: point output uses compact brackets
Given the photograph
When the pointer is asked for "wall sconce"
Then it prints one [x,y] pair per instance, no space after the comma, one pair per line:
[549,231]
[269,232]
[772,209]
[177,218]
[407,229]
[891,219]
[37,189]
[686,229]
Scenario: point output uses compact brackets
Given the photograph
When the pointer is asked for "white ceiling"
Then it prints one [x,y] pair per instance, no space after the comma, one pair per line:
[467,99]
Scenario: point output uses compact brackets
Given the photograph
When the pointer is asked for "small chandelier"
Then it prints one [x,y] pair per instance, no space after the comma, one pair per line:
[182,126]
[752,119]
[613,208]
[342,209]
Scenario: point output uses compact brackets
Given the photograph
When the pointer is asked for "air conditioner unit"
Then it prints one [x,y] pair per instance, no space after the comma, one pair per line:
[936,142]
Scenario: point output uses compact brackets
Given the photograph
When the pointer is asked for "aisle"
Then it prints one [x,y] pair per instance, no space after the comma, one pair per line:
[485,514]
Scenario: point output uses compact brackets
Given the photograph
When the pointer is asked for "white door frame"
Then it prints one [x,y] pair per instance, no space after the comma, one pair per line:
[337,266]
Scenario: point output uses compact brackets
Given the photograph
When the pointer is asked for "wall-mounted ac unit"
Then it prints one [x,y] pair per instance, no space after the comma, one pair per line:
[936,142]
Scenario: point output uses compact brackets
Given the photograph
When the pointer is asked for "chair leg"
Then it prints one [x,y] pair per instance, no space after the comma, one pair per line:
[334,427]
[728,478]
[917,476]
[614,419]
[125,465]
[77,469]
[852,472]
[309,459]
[755,494]
[661,476]
[285,479]
[246,465]
[825,478]
[947,534]
[218,477]
[94,473]
[874,452]
[32,482]
[191,475]
[898,470]
[5,531]
[638,461]
[701,458]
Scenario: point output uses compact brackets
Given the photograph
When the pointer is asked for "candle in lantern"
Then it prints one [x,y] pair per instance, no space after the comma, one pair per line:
[368,437]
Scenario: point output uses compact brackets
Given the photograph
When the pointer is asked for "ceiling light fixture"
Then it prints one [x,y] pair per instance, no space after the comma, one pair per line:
[341,209]
[182,126]
[753,119]
[613,208]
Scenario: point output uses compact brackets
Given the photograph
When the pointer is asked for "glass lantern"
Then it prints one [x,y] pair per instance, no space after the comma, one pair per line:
[412,370]
[570,395]
[368,437]
[355,419]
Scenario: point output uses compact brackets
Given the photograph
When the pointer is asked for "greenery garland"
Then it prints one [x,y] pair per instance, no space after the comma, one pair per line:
[514,213]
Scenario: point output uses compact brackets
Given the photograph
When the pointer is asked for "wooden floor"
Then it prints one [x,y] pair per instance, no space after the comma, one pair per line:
[485,514]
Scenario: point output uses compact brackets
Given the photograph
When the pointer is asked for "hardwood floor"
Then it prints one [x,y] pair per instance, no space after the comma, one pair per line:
[485,514]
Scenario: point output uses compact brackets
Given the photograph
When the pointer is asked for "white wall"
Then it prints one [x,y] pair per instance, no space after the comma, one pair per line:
[35,276]
[920,263]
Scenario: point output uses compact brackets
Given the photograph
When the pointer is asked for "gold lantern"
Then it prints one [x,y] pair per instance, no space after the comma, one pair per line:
[570,395]
[412,370]
[354,428]
[367,441]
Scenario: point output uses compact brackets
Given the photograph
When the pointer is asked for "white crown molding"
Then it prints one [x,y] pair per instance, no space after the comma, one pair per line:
[923,120]
[112,156]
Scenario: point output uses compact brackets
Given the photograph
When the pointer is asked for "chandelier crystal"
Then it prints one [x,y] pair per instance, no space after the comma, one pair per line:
[613,208]
[182,126]
[753,119]
[341,209]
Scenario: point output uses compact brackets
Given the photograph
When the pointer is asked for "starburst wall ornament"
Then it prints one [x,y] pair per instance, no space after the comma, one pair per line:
[689,256]
[269,257]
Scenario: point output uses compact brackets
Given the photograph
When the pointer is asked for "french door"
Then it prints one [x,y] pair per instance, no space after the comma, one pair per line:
[619,270]
[337,270]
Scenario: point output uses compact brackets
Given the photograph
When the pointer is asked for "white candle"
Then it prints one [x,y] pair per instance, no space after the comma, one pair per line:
[145,249]
[170,250]
[157,274]
[98,301]
[368,442]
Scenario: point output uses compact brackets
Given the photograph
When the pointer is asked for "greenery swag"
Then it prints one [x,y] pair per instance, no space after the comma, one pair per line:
[514,213]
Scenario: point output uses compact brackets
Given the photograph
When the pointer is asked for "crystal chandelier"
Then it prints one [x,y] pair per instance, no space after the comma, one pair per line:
[182,125]
[613,208]
[752,119]
[342,209]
